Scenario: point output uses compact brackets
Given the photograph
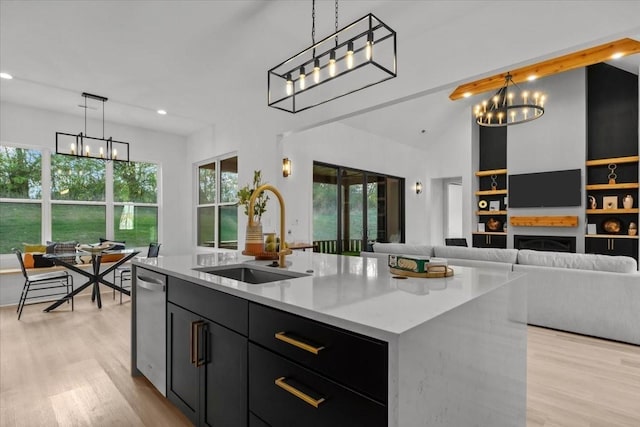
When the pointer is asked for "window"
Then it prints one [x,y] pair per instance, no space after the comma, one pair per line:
[79,205]
[217,210]
[20,197]
[353,209]
[135,198]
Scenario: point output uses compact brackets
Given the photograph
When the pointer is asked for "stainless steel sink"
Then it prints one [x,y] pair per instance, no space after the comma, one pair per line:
[251,274]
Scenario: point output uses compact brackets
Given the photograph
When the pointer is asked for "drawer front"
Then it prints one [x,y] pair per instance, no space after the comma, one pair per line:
[219,307]
[292,402]
[353,360]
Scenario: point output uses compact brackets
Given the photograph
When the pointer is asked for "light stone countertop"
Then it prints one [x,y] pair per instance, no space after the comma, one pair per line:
[353,293]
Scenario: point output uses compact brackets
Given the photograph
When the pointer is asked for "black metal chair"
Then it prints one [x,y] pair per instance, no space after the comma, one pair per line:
[455,242]
[35,283]
[124,271]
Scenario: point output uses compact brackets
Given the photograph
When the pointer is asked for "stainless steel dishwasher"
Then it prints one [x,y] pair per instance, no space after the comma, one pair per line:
[151,320]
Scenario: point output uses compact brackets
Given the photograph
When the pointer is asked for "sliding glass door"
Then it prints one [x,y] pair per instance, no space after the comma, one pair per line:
[353,209]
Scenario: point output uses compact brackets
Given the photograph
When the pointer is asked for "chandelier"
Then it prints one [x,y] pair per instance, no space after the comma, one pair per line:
[82,145]
[355,57]
[510,106]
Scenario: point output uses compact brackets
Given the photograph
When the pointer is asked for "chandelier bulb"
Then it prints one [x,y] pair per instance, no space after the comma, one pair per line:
[73,148]
[350,55]
[332,63]
[289,85]
[303,77]
[316,71]
[369,47]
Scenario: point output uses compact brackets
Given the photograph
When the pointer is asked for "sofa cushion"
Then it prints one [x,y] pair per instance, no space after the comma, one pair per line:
[403,248]
[615,264]
[34,247]
[481,254]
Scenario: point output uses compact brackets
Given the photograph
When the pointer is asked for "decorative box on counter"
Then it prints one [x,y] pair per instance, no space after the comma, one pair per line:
[415,263]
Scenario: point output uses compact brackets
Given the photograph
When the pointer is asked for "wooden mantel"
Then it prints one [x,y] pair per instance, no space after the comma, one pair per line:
[544,221]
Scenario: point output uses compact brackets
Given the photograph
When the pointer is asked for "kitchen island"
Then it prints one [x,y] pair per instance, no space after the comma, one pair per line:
[417,352]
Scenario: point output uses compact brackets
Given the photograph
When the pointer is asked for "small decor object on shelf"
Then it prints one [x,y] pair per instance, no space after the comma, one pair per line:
[593,204]
[482,204]
[612,225]
[494,183]
[610,202]
[633,229]
[494,224]
[591,229]
[481,227]
[494,205]
[627,201]
[612,173]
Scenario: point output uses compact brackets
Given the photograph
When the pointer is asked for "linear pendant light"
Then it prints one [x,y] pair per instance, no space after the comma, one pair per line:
[358,56]
[82,145]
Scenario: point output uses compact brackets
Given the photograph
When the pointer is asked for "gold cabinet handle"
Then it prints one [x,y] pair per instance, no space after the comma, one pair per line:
[195,342]
[280,382]
[282,336]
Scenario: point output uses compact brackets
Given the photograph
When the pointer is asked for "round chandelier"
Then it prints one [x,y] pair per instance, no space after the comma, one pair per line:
[510,106]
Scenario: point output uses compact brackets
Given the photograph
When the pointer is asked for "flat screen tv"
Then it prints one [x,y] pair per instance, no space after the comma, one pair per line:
[545,189]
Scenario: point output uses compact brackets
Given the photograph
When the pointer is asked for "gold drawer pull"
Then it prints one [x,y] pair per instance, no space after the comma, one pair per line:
[297,393]
[282,336]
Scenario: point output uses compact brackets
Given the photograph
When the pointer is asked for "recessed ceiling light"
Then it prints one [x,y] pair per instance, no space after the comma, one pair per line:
[617,55]
[6,76]
[162,112]
[532,77]
[466,94]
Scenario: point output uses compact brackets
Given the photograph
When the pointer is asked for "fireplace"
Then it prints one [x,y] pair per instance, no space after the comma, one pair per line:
[545,243]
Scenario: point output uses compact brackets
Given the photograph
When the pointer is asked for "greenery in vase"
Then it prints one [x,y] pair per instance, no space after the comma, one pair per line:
[245,193]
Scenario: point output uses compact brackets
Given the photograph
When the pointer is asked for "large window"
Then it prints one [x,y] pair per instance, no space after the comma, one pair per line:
[217,210]
[353,209]
[88,199]
[20,197]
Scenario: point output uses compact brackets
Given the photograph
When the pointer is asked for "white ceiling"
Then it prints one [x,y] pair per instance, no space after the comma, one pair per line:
[206,61]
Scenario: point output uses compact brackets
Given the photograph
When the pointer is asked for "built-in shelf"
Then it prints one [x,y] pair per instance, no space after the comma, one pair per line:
[612,211]
[496,233]
[615,160]
[491,172]
[490,192]
[491,212]
[611,236]
[620,186]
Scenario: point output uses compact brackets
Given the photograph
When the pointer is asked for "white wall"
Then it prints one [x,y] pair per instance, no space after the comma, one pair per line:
[555,141]
[32,127]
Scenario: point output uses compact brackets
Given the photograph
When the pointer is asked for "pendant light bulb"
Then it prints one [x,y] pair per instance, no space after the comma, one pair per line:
[350,55]
[332,63]
[289,85]
[316,71]
[369,47]
[303,77]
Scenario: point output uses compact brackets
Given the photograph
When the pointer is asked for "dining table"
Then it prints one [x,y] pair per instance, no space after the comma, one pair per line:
[94,276]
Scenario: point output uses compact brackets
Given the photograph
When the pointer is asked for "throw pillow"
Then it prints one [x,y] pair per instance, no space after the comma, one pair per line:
[28,261]
[40,262]
[66,248]
[34,247]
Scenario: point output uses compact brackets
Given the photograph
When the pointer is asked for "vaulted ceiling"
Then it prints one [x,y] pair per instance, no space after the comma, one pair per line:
[206,61]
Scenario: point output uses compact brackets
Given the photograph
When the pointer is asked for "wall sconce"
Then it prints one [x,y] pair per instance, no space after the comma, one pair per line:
[286,167]
[418,187]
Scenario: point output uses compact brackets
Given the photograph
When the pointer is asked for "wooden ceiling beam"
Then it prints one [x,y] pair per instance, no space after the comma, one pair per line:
[549,67]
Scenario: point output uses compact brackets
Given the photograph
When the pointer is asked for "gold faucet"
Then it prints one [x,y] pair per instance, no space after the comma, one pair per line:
[283,251]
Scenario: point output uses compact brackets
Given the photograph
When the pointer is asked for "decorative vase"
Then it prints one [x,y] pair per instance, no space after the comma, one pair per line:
[633,229]
[627,201]
[253,239]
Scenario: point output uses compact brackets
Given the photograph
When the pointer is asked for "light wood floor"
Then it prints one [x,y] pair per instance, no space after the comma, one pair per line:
[72,369]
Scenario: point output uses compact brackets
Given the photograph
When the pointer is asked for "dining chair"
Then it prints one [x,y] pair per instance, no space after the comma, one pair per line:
[455,242]
[123,272]
[35,283]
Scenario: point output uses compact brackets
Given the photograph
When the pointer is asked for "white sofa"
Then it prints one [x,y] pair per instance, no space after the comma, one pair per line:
[597,295]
